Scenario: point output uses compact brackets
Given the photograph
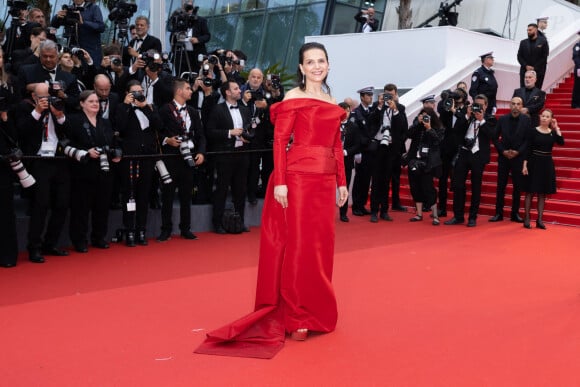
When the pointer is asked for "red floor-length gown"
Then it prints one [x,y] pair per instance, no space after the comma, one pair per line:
[294,287]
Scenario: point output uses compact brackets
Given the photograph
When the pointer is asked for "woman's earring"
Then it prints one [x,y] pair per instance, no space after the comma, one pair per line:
[303,79]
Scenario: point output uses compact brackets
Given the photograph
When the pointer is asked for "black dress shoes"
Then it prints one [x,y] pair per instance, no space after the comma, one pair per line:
[7,264]
[471,223]
[54,251]
[454,221]
[496,218]
[81,248]
[344,218]
[35,257]
[385,216]
[100,244]
[361,212]
[399,207]
[130,239]
[516,218]
[142,238]
[374,218]
[164,236]
[188,235]
[540,224]
[220,230]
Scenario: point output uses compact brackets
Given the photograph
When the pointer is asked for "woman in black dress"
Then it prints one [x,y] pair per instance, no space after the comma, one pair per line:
[538,170]
[425,163]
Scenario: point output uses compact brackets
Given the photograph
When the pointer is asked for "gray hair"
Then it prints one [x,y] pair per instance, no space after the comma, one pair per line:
[48,45]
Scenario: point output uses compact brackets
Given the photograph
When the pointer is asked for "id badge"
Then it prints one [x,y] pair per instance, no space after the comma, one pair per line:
[425,150]
[47,150]
[131,206]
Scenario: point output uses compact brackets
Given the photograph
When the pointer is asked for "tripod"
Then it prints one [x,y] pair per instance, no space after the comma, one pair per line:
[178,54]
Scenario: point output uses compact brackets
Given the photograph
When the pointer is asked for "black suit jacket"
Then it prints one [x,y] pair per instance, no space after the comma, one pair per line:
[452,137]
[507,138]
[534,103]
[220,122]
[135,140]
[35,73]
[162,89]
[171,126]
[399,125]
[149,43]
[113,103]
[78,130]
[30,131]
[487,133]
[535,55]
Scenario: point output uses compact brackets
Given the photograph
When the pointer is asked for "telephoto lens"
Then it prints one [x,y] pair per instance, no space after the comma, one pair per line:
[26,179]
[163,172]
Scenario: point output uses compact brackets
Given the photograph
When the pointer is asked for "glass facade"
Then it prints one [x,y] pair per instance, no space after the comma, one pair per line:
[268,31]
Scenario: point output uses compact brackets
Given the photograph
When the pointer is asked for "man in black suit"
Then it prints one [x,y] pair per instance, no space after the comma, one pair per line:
[138,124]
[189,34]
[473,156]
[362,178]
[157,84]
[390,123]
[454,121]
[40,129]
[533,55]
[48,70]
[511,142]
[142,43]
[226,128]
[182,135]
[112,67]
[532,97]
[366,17]
[350,146]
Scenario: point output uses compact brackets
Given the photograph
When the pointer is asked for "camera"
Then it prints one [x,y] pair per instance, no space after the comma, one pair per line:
[116,61]
[469,142]
[104,153]
[72,14]
[386,139]
[79,155]
[163,172]
[426,118]
[149,58]
[257,95]
[181,21]
[275,80]
[14,158]
[249,131]
[207,81]
[120,10]
[185,148]
[387,97]
[16,7]
[139,96]
[477,108]
[417,165]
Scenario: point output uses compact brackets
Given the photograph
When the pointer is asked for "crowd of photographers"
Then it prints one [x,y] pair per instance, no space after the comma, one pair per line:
[85,129]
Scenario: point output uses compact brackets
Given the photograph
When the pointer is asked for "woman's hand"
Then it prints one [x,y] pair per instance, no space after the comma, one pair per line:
[525,170]
[342,196]
[281,195]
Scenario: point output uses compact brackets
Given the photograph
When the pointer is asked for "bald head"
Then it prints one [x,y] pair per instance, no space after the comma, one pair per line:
[102,86]
[255,78]
[516,105]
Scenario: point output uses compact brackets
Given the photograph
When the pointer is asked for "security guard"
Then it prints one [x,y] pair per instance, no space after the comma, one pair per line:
[483,82]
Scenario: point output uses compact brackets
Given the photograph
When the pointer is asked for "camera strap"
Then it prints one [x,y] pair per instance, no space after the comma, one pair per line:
[133,176]
[179,117]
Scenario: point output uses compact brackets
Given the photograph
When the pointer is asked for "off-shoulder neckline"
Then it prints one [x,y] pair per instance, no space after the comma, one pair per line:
[310,99]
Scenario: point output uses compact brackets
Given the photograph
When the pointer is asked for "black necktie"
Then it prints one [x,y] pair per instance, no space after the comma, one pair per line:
[234,107]
[182,109]
[53,71]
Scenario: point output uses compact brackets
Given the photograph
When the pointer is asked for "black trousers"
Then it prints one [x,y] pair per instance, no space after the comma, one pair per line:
[232,171]
[466,162]
[8,240]
[362,181]
[51,192]
[348,166]
[576,90]
[422,188]
[90,195]
[505,167]
[446,174]
[182,176]
[381,172]
[139,189]
[396,181]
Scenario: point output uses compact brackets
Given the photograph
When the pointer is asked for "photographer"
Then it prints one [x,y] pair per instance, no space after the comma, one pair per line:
[91,149]
[79,63]
[189,34]
[183,135]
[424,162]
[227,126]
[142,43]
[48,70]
[84,25]
[138,124]
[40,127]
[112,67]
[16,36]
[452,109]
[390,119]
[147,69]
[366,17]
[474,155]
[29,55]
[8,241]
[258,96]
[234,65]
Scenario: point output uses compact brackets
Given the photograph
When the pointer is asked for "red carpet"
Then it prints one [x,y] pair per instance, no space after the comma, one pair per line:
[497,305]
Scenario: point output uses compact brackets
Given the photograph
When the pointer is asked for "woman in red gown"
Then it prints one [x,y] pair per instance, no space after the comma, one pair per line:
[294,293]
